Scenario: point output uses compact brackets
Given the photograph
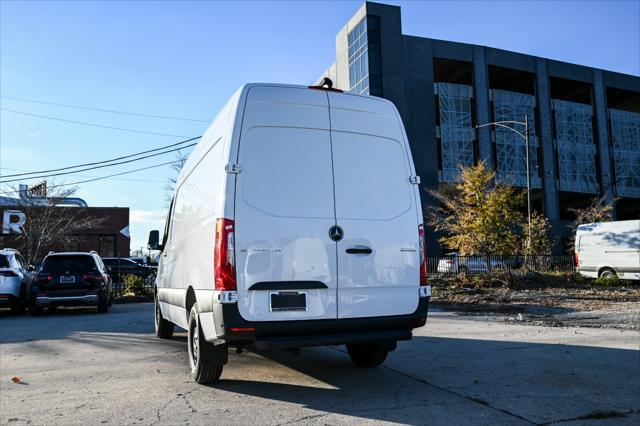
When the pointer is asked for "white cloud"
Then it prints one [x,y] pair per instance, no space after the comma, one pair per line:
[143,221]
[147,217]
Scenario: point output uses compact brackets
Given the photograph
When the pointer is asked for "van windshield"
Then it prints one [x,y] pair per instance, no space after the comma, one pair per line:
[4,261]
[74,264]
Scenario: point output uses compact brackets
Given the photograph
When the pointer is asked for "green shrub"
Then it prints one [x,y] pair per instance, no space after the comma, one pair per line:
[613,281]
[134,284]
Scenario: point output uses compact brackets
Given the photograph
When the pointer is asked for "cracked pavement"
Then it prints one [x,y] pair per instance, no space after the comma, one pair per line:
[83,368]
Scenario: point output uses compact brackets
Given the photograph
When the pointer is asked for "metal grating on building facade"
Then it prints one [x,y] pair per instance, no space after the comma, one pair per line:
[625,135]
[358,58]
[575,145]
[364,57]
[456,133]
[511,164]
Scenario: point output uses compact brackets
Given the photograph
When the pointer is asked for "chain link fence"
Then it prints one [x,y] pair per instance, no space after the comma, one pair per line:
[454,264]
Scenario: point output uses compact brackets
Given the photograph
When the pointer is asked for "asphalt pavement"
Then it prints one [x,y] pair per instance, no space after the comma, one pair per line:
[80,367]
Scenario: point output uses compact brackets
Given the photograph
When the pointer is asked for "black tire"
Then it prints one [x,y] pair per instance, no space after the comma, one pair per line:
[35,310]
[202,372]
[103,305]
[164,328]
[366,355]
[608,273]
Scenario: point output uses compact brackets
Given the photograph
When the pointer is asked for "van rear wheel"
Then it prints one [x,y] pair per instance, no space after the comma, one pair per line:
[367,355]
[164,328]
[203,370]
[608,273]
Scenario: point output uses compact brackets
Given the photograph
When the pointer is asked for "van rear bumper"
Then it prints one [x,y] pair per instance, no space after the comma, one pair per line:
[297,334]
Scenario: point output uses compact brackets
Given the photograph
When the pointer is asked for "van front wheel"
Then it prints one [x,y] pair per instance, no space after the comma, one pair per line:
[164,328]
[367,355]
[201,352]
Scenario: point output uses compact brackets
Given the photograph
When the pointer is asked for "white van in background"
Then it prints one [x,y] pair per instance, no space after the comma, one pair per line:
[296,222]
[609,249]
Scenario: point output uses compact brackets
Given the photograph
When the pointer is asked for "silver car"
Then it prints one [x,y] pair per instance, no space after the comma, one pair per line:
[15,281]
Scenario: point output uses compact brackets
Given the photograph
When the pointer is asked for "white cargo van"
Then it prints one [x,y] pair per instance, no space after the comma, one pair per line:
[609,249]
[295,222]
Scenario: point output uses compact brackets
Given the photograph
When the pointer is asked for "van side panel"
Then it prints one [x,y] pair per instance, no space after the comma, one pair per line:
[284,204]
[187,259]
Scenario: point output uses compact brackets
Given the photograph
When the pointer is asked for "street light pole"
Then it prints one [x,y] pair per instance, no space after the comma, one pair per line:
[526,140]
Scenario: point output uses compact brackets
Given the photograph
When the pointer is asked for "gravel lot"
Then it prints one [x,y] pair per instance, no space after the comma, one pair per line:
[83,368]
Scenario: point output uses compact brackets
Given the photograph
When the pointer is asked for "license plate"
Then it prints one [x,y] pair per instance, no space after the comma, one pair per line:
[67,279]
[287,301]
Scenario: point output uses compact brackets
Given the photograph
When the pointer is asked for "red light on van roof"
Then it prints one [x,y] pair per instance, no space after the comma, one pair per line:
[326,84]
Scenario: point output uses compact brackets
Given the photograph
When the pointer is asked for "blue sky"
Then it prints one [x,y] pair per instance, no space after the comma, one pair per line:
[186,59]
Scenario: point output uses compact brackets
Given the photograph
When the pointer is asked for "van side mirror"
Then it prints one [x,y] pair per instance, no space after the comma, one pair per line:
[154,240]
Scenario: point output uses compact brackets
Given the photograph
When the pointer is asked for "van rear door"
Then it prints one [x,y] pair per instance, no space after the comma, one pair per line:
[284,207]
[378,256]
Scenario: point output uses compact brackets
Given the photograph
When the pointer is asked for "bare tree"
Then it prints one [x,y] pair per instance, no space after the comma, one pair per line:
[50,223]
[597,211]
[177,166]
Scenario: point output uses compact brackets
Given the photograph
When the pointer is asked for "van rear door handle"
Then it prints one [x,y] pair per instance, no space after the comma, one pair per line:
[359,250]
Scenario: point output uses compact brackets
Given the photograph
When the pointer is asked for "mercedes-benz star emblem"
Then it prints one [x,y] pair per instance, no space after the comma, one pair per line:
[336,233]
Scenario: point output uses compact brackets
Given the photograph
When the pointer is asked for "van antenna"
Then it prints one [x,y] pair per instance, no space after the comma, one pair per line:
[327,83]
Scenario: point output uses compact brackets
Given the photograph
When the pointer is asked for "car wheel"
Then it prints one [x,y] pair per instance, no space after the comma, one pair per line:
[203,371]
[164,328]
[366,355]
[608,273]
[103,305]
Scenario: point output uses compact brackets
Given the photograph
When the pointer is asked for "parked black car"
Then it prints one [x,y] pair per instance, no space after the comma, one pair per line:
[71,279]
[124,266]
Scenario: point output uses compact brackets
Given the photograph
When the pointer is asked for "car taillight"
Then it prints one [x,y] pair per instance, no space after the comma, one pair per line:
[423,256]
[43,279]
[8,274]
[575,259]
[224,263]
[93,278]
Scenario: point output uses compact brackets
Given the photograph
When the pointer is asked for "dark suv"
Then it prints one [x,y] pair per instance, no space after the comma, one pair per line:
[71,279]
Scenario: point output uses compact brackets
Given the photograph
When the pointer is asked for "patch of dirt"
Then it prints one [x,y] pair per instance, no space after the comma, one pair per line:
[541,299]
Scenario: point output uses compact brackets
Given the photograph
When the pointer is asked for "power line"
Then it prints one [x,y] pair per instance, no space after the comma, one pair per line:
[99,167]
[98,178]
[106,161]
[85,123]
[113,111]
[92,176]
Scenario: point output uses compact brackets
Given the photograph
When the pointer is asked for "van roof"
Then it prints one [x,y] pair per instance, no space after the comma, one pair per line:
[297,86]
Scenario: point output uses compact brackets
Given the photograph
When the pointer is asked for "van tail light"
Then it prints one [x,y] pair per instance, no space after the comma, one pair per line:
[8,274]
[575,259]
[423,256]
[224,262]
